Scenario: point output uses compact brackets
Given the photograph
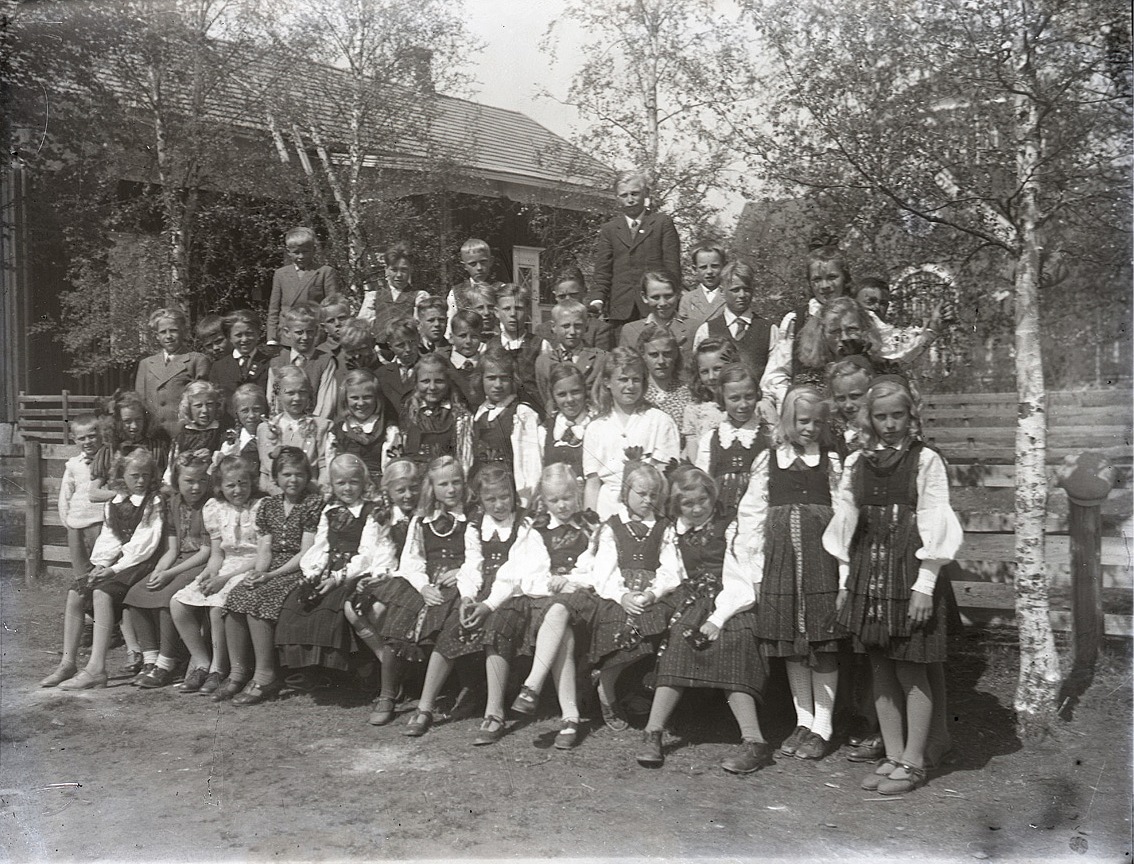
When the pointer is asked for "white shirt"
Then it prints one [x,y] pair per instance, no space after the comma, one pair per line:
[109,552]
[527,458]
[730,319]
[606,575]
[412,567]
[375,549]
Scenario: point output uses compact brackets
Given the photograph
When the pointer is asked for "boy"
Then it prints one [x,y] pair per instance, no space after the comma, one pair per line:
[356,351]
[569,320]
[901,344]
[81,516]
[247,363]
[162,377]
[513,303]
[752,335]
[334,311]
[396,378]
[301,325]
[432,319]
[705,299]
[476,258]
[571,285]
[212,338]
[660,295]
[482,301]
[466,329]
[299,281]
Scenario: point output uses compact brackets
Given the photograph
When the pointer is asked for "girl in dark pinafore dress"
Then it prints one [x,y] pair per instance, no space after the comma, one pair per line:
[199,427]
[892,531]
[571,413]
[711,640]
[364,429]
[727,452]
[505,429]
[782,520]
[434,422]
[353,539]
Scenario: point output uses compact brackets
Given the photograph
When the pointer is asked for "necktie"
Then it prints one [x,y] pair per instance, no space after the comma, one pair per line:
[637,529]
[634,223]
[244,361]
[741,328]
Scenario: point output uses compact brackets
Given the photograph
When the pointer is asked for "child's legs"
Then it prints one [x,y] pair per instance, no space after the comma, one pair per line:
[799,679]
[234,626]
[74,617]
[219,639]
[362,628]
[496,671]
[79,550]
[263,633]
[665,700]
[187,620]
[608,678]
[436,674]
[391,673]
[169,640]
[548,641]
[939,738]
[145,627]
[889,703]
[744,710]
[914,680]
[129,636]
[824,684]
[103,628]
[563,674]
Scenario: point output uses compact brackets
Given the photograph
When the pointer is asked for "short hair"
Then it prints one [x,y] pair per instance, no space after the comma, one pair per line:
[828,253]
[198,390]
[351,462]
[250,391]
[632,471]
[83,421]
[332,301]
[662,276]
[301,234]
[731,374]
[872,282]
[631,175]
[726,348]
[808,395]
[400,469]
[689,478]
[500,357]
[227,465]
[568,307]
[708,249]
[399,251]
[293,457]
[570,273]
[431,302]
[241,316]
[471,319]
[657,333]
[356,335]
[209,325]
[302,313]
[520,293]
[739,269]
[474,245]
[187,459]
[170,313]
[403,328]
[482,291]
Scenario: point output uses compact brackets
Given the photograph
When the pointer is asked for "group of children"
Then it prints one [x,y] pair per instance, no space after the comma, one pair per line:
[425,487]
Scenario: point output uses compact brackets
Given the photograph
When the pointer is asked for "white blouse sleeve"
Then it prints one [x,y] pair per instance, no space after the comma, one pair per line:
[314,560]
[667,440]
[937,524]
[605,575]
[752,519]
[471,575]
[593,450]
[510,575]
[412,565]
[526,458]
[527,567]
[840,531]
[777,374]
[671,569]
[704,449]
[144,542]
[391,447]
[736,589]
[375,551]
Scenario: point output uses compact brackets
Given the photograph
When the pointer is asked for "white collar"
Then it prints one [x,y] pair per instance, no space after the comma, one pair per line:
[395,294]
[397,515]
[624,515]
[814,307]
[553,522]
[578,425]
[436,514]
[786,454]
[490,526]
[354,509]
[460,361]
[244,437]
[284,420]
[493,410]
[630,220]
[367,427]
[730,317]
[236,355]
[169,358]
[710,293]
[744,435]
[512,344]
[136,500]
[682,526]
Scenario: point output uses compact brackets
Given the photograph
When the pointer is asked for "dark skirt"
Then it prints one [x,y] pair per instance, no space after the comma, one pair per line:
[410,625]
[619,639]
[141,597]
[315,633]
[733,662]
[505,630]
[265,600]
[118,585]
[732,485]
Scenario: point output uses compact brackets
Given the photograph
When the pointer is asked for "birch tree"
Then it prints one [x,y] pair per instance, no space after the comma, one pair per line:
[999,122]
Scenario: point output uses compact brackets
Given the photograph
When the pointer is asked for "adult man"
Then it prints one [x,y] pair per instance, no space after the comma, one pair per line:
[636,240]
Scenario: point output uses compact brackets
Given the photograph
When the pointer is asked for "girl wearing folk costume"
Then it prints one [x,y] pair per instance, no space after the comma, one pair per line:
[704,414]
[294,426]
[505,430]
[727,452]
[199,427]
[363,427]
[434,421]
[249,408]
[570,414]
[892,531]
[781,520]
[711,640]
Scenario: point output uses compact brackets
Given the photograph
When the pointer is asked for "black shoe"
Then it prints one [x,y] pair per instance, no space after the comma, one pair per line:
[651,756]
[156,677]
[146,669]
[753,756]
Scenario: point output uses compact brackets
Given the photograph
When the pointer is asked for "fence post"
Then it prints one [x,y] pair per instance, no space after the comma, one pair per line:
[1088,479]
[33,526]
[66,416]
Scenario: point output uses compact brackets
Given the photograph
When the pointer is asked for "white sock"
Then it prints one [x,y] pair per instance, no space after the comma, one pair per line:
[823,686]
[149,657]
[799,678]
[167,663]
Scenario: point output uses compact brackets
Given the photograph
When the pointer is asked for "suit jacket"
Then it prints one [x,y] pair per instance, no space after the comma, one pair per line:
[679,328]
[226,373]
[394,388]
[291,286]
[621,259]
[589,360]
[161,384]
[320,371]
[696,310]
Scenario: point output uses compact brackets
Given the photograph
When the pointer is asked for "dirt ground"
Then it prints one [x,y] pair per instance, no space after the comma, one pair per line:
[119,774]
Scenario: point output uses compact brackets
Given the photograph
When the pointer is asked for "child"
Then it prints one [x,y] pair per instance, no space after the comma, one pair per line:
[433,423]
[199,427]
[497,526]
[299,281]
[432,321]
[301,323]
[395,299]
[704,414]
[847,382]
[249,406]
[570,285]
[286,524]
[397,377]
[569,320]
[230,519]
[131,427]
[212,338]
[162,377]
[752,334]
[625,420]
[636,564]
[711,640]
[440,564]
[476,259]
[481,299]
[901,344]
[334,312]
[513,307]
[247,363]
[81,516]
[123,554]
[357,350]
[782,519]
[661,293]
[293,426]
[555,600]
[363,428]
[184,557]
[661,351]
[704,300]
[353,540]
[892,530]
[842,329]
[465,334]
[505,431]
[571,413]
[727,452]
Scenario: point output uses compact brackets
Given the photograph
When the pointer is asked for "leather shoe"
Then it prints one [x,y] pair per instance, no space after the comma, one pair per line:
[869,749]
[651,755]
[419,724]
[155,678]
[814,746]
[84,681]
[792,742]
[526,701]
[753,756]
[212,683]
[490,731]
[194,681]
[228,689]
[255,693]
[61,674]
[383,712]
[567,737]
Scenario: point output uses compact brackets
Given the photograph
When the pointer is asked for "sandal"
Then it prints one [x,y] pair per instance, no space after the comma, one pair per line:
[419,724]
[871,781]
[491,731]
[383,712]
[527,701]
[916,777]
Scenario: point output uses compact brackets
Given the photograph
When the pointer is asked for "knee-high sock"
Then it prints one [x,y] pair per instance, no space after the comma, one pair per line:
[823,689]
[744,710]
[665,700]
[799,678]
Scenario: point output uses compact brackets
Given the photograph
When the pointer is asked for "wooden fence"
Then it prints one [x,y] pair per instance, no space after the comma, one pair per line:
[975,432]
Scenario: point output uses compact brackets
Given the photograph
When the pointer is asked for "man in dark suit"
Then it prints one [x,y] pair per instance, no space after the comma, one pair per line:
[631,243]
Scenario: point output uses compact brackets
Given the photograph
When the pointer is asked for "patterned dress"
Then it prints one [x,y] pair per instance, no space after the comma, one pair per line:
[672,401]
[187,524]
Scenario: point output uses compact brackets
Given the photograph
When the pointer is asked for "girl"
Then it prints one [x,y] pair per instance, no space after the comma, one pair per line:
[727,452]
[441,563]
[363,428]
[661,350]
[505,431]
[463,632]
[249,407]
[782,517]
[562,439]
[199,430]
[625,420]
[353,539]
[293,426]
[230,519]
[893,529]
[711,640]
[557,603]
[636,564]
[847,382]
[186,553]
[703,414]
[286,524]
[434,423]
[131,427]
[131,534]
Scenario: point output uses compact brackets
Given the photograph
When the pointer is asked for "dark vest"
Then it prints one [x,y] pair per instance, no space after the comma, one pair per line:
[564,544]
[344,534]
[443,553]
[799,485]
[753,346]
